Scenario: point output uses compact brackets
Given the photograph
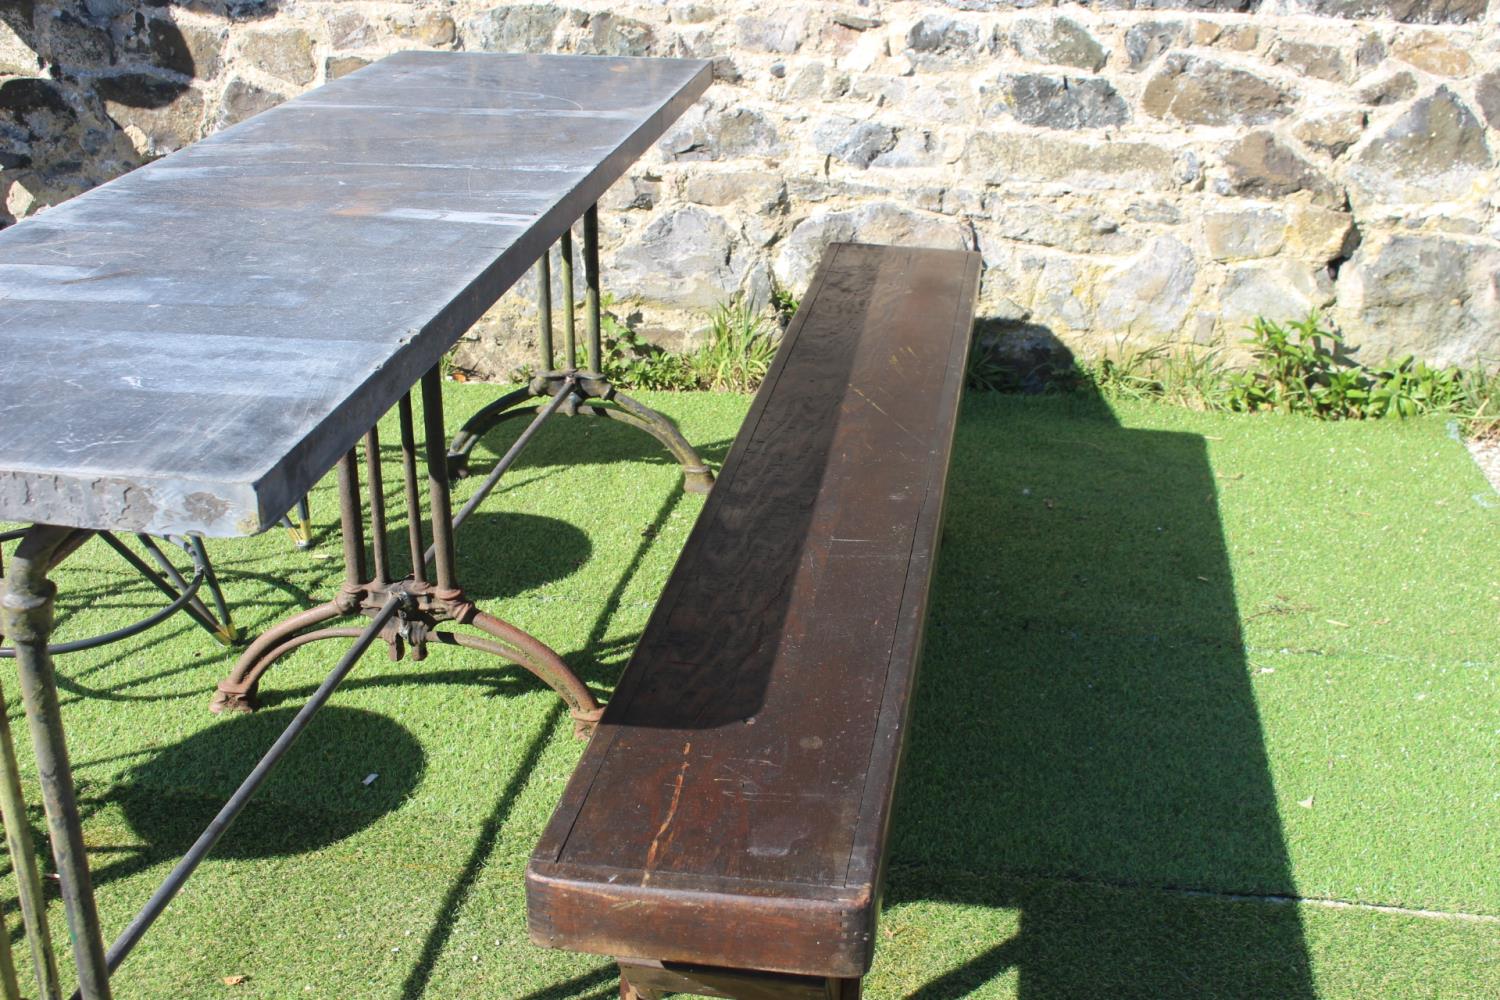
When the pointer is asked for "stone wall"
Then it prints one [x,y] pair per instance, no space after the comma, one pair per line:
[1143,169]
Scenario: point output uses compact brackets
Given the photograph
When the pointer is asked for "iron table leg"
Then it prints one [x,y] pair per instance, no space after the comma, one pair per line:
[23,863]
[426,601]
[590,392]
[27,617]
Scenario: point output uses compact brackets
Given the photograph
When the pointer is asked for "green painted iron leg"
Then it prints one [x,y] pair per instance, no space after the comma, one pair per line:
[26,614]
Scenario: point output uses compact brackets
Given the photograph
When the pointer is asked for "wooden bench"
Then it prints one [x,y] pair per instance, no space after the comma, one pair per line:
[725,832]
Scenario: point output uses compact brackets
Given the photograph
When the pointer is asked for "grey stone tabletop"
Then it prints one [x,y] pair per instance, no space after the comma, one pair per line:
[189,348]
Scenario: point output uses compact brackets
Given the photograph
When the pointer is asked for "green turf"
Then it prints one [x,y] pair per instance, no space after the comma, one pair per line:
[1175,662]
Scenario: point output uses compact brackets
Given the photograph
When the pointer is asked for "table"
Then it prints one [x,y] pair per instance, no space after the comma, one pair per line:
[186,350]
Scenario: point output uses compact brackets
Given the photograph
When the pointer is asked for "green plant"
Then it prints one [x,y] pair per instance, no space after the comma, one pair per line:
[1298,367]
[629,361]
[785,304]
[1130,373]
[986,373]
[1295,364]
[1477,403]
[739,349]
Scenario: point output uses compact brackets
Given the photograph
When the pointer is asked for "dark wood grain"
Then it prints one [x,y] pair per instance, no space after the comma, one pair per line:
[732,808]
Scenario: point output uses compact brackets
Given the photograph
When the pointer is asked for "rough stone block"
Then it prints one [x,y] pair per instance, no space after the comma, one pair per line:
[1057,40]
[159,117]
[877,222]
[926,101]
[611,35]
[1216,6]
[1320,234]
[854,142]
[784,32]
[16,56]
[763,190]
[350,29]
[936,33]
[1150,294]
[1200,91]
[1279,291]
[1435,296]
[1244,235]
[1076,230]
[1409,11]
[720,135]
[513,28]
[1370,53]
[692,13]
[242,99]
[1488,95]
[1434,53]
[1060,102]
[337,66]
[914,147]
[688,257]
[1234,37]
[1390,89]
[1060,286]
[1005,158]
[632,193]
[1331,131]
[190,49]
[431,28]
[1433,152]
[1322,62]
[1261,166]
[1149,39]
[285,53]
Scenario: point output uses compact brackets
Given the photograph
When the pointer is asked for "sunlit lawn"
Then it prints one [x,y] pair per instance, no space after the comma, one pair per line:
[1180,668]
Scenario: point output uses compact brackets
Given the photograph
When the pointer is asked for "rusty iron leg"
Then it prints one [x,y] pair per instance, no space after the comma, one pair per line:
[425,598]
[26,617]
[586,388]
[23,862]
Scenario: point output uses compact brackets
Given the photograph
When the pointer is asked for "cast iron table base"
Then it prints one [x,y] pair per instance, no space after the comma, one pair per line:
[421,604]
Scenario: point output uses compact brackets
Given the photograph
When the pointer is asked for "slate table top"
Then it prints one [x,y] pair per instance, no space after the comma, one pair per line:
[190,347]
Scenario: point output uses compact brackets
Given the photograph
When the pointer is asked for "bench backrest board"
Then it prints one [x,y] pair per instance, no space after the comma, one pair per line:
[732,807]
[192,346]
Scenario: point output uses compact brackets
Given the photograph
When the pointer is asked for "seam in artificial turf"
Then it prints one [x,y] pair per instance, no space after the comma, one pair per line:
[917,872]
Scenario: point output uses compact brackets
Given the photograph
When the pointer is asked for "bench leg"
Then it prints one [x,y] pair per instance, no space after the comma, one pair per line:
[641,980]
[629,991]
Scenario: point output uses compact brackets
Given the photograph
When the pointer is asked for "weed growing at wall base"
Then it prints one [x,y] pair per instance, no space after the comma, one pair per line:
[736,356]
[1300,367]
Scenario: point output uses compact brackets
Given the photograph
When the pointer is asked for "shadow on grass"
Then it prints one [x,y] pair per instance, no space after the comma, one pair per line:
[417,982]
[1086,743]
[312,800]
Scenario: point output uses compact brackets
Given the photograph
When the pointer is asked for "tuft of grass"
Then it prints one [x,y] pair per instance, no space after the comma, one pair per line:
[1300,366]
[741,344]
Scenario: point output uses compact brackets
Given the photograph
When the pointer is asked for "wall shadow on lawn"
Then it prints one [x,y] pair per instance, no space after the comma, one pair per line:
[1086,742]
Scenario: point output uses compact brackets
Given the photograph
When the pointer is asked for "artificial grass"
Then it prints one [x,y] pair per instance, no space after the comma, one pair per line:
[1174,660]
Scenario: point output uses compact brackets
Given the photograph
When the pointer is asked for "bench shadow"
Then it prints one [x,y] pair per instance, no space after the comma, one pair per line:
[418,980]
[1087,752]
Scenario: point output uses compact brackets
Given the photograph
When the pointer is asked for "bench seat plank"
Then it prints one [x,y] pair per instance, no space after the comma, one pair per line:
[733,805]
